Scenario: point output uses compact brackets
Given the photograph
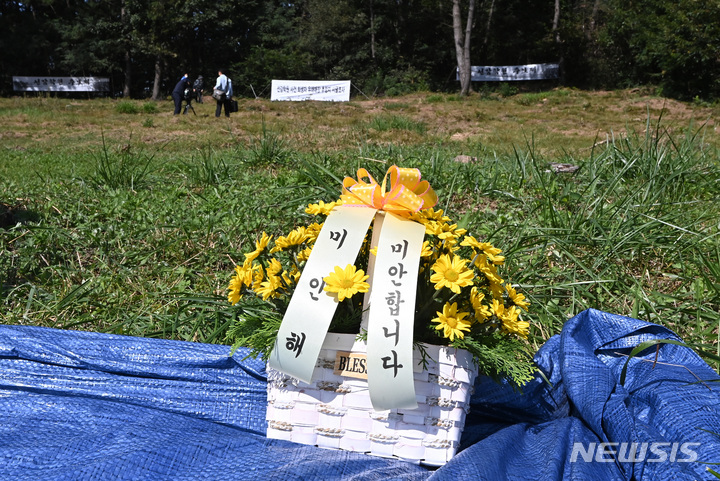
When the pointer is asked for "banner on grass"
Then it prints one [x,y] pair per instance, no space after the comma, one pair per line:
[535,71]
[61,84]
[326,90]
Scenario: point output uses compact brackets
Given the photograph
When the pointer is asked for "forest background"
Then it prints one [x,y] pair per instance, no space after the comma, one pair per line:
[385,47]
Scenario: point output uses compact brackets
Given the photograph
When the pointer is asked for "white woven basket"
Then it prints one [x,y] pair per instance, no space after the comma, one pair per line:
[335,412]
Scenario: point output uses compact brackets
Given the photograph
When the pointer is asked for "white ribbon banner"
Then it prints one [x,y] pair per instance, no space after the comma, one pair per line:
[508,73]
[61,84]
[298,90]
[311,309]
[392,313]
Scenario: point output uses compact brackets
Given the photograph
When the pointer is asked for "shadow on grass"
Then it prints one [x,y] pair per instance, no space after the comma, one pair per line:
[11,215]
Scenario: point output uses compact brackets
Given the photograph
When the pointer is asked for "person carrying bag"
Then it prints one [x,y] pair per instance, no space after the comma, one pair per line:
[220,94]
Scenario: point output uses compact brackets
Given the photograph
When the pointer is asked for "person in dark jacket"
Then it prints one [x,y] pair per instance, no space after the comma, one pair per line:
[178,92]
[198,88]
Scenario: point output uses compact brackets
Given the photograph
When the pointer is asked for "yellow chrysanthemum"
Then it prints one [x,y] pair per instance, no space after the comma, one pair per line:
[304,254]
[451,273]
[321,208]
[427,250]
[517,298]
[510,319]
[346,282]
[274,267]
[235,286]
[260,246]
[258,275]
[296,237]
[497,290]
[291,277]
[268,288]
[426,215]
[482,311]
[490,251]
[312,231]
[452,322]
[490,270]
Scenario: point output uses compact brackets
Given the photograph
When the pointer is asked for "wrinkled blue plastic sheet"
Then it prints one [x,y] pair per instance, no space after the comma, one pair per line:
[88,406]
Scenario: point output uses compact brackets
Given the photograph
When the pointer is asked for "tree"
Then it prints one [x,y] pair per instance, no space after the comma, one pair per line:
[462,43]
[670,43]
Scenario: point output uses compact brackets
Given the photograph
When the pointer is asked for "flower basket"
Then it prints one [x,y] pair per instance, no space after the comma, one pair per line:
[383,367]
[334,410]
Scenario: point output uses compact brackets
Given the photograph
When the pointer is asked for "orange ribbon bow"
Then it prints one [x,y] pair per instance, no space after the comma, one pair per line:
[407,195]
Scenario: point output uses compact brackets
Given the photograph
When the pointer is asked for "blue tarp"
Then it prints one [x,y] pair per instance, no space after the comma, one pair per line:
[89,406]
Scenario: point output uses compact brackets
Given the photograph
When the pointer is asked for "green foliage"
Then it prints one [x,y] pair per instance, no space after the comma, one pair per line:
[383,123]
[124,169]
[150,108]
[126,107]
[209,169]
[267,148]
[672,44]
[501,358]
[255,326]
[507,89]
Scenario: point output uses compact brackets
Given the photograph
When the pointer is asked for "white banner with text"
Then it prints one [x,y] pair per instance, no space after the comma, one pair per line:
[536,71]
[325,90]
[61,84]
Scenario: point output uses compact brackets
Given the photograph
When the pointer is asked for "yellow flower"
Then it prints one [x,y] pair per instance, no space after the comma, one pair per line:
[274,267]
[258,274]
[426,250]
[235,286]
[426,215]
[304,254]
[452,322]
[312,231]
[291,277]
[497,290]
[296,237]
[268,288]
[510,319]
[490,270]
[321,208]
[346,282]
[260,246]
[482,311]
[451,273]
[486,248]
[517,298]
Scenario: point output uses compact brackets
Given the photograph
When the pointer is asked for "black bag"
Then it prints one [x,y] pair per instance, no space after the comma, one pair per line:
[233,106]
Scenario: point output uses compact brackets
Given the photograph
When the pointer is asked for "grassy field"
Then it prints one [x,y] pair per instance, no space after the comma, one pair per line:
[117,216]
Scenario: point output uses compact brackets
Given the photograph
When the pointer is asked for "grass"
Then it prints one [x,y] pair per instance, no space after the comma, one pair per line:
[131,223]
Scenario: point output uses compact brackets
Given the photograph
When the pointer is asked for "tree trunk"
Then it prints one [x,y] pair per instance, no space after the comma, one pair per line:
[372,31]
[128,75]
[593,19]
[487,26]
[462,44]
[128,57]
[158,77]
[556,21]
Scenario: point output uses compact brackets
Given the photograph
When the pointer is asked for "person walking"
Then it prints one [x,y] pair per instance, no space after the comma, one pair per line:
[178,93]
[222,85]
